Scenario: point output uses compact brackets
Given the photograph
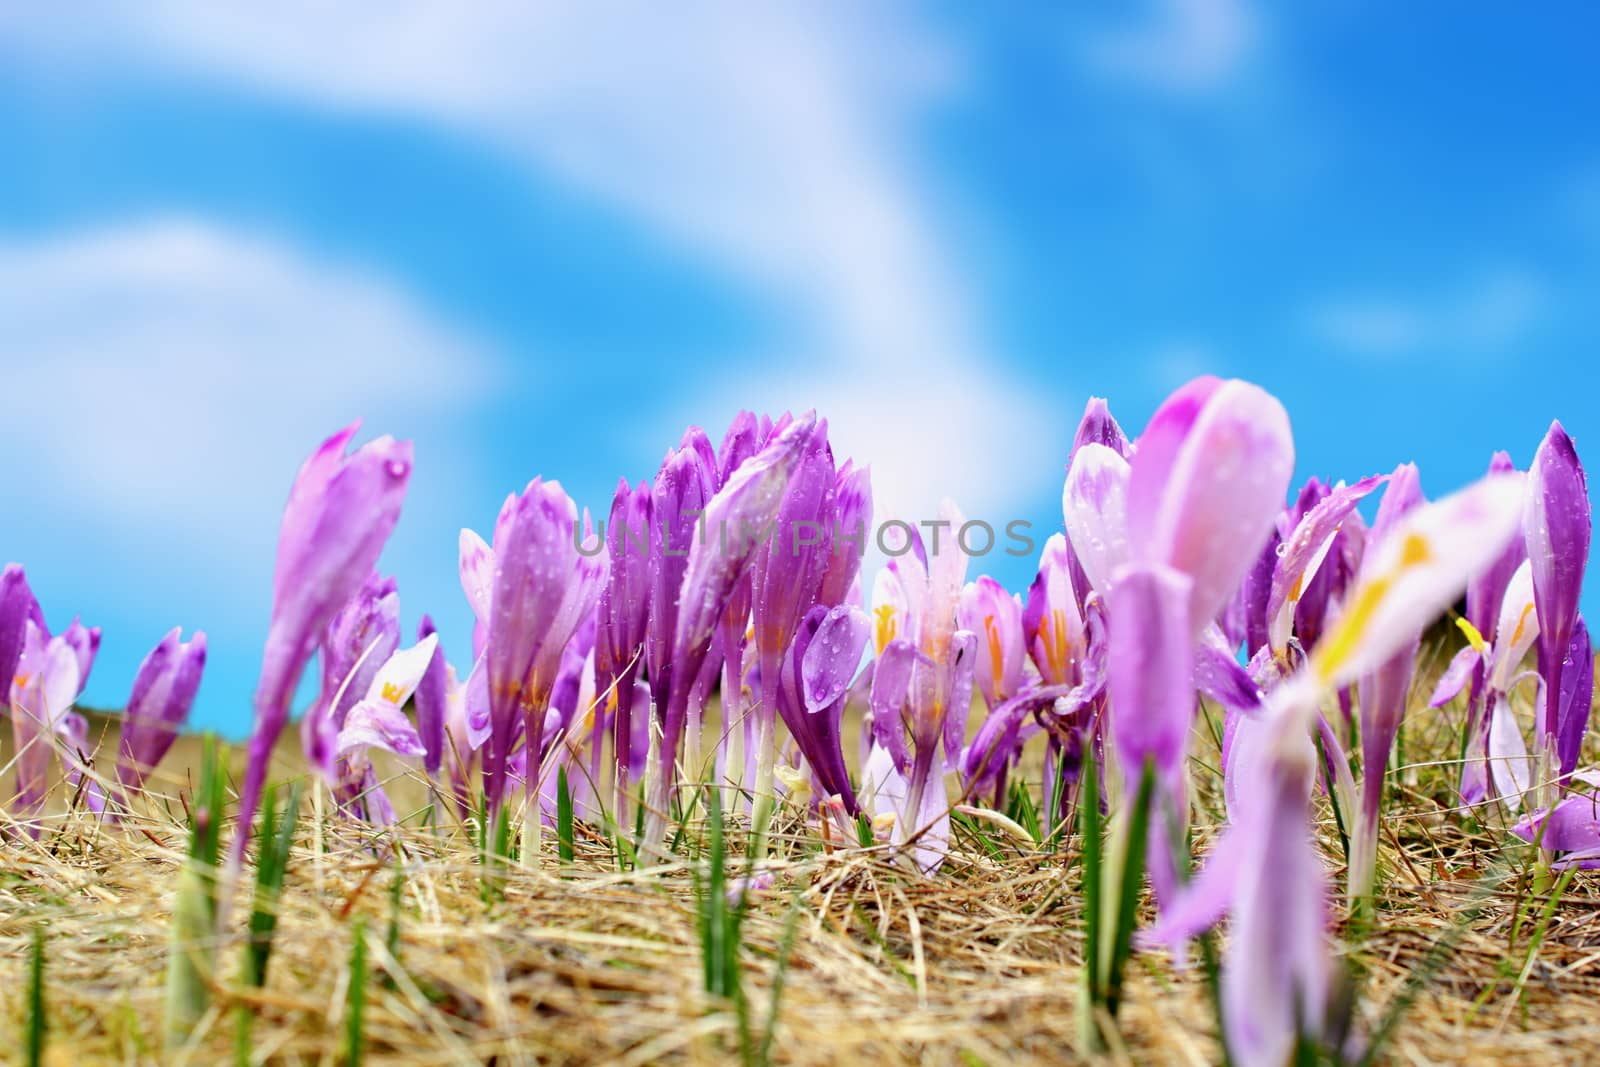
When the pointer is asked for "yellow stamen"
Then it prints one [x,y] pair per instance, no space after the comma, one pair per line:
[390,693]
[1522,622]
[1474,638]
[1342,644]
[996,652]
[885,626]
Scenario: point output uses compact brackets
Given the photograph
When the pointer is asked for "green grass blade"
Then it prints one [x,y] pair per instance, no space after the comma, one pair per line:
[355,1009]
[563,816]
[34,1039]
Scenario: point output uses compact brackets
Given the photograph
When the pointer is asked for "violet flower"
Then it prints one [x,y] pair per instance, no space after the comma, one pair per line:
[623,615]
[341,510]
[1385,692]
[922,685]
[1556,527]
[359,640]
[42,691]
[18,607]
[543,588]
[163,692]
[813,689]
[433,702]
[1201,495]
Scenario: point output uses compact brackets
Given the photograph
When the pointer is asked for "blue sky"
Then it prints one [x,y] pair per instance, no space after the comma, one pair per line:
[541,244]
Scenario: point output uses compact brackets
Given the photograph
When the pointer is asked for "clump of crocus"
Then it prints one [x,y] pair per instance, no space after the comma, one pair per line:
[1168,537]
[733,519]
[1265,872]
[341,511]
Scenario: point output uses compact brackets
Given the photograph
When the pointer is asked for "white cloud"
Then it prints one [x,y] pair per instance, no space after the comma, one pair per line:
[770,139]
[169,375]
[1184,46]
[1495,310]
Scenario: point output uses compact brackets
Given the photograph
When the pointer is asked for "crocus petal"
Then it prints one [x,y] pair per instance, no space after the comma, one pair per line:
[433,699]
[1455,677]
[18,607]
[1218,675]
[891,684]
[1151,666]
[85,644]
[1509,763]
[1516,630]
[1094,503]
[1052,622]
[163,692]
[1577,697]
[1097,426]
[1207,479]
[987,610]
[833,656]
[1557,527]
[477,574]
[958,701]
[1573,825]
[1275,978]
[1415,573]
[749,502]
[380,724]
[1304,552]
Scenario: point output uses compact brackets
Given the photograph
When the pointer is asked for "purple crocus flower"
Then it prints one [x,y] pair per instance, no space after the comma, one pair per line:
[42,690]
[341,510]
[814,687]
[1572,826]
[1096,427]
[18,607]
[544,587]
[921,685]
[1203,491]
[995,616]
[163,692]
[1556,527]
[85,644]
[359,640]
[623,617]
[1385,692]
[1577,696]
[1301,584]
[433,702]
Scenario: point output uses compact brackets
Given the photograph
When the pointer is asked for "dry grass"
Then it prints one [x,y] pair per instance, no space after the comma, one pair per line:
[587,965]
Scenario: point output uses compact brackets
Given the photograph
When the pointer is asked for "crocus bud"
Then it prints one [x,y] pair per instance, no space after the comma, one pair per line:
[42,691]
[17,608]
[995,616]
[543,588]
[85,644]
[1556,527]
[433,700]
[163,692]
[359,640]
[1051,623]
[341,510]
